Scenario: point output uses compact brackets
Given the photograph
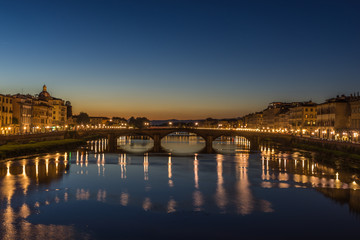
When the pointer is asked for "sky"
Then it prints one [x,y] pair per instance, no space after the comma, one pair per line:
[183,59]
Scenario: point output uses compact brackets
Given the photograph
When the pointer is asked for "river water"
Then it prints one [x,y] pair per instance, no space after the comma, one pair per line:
[181,194]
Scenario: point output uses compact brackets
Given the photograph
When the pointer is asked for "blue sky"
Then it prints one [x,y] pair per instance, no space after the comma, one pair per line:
[180,59]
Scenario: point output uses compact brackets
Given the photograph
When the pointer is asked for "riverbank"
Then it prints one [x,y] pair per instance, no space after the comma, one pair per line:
[15,150]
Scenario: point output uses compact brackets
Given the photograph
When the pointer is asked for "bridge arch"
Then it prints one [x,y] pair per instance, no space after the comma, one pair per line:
[116,135]
[158,133]
[188,130]
[231,143]
[185,141]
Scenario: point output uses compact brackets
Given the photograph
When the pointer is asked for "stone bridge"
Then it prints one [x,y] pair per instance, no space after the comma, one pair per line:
[156,134]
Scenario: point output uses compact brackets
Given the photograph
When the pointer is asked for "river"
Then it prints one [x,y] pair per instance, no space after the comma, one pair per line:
[180,194]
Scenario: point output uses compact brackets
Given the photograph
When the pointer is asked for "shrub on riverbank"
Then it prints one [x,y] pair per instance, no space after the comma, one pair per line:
[14,150]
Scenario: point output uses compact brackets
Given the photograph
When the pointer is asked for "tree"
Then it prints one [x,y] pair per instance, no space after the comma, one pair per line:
[83,118]
[138,122]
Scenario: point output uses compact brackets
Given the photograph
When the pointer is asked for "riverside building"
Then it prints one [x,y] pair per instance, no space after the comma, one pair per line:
[22,105]
[333,118]
[303,118]
[6,115]
[21,113]
[355,118]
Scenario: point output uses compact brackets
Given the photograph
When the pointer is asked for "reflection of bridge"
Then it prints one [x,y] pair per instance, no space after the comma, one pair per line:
[156,134]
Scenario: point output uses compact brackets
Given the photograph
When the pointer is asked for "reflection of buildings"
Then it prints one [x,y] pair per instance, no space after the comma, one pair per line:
[343,196]
[171,183]
[299,171]
[196,172]
[122,163]
[146,167]
[220,196]
[98,146]
[182,143]
[135,144]
[245,199]
[283,171]
[42,171]
[236,144]
[197,196]
[15,181]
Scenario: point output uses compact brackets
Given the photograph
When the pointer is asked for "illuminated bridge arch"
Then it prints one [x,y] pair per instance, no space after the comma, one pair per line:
[156,134]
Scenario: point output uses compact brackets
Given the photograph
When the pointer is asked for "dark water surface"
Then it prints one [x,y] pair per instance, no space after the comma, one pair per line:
[234,194]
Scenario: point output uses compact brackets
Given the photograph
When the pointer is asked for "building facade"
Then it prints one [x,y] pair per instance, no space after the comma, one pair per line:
[22,105]
[7,123]
[333,118]
[253,120]
[41,116]
[303,118]
[355,119]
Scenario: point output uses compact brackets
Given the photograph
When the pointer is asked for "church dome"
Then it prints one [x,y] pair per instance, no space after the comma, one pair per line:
[44,93]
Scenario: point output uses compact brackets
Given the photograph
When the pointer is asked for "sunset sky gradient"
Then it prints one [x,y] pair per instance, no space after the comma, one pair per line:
[180,59]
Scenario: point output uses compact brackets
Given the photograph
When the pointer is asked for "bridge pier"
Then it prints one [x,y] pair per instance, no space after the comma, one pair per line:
[112,142]
[254,144]
[157,143]
[209,141]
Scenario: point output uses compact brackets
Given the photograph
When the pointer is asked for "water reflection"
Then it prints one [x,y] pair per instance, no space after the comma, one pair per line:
[220,197]
[244,196]
[146,167]
[113,185]
[21,178]
[183,143]
[135,144]
[284,170]
[171,183]
[233,144]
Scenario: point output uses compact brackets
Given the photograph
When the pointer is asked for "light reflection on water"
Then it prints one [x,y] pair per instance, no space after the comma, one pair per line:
[231,144]
[178,143]
[183,143]
[135,144]
[39,196]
